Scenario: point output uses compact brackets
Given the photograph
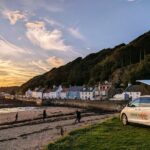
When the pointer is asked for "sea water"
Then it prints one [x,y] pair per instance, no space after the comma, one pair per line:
[16,109]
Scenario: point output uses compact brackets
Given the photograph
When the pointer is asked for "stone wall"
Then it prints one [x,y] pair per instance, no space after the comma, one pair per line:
[101,105]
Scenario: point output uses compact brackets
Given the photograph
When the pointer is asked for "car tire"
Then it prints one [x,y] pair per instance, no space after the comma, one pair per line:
[124,119]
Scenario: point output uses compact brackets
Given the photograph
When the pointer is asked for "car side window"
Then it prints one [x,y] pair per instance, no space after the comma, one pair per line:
[145,102]
[134,103]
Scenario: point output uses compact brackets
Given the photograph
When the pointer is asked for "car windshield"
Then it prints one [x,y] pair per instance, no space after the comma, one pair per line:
[145,102]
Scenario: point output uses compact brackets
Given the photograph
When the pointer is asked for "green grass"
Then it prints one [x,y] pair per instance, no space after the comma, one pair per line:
[110,135]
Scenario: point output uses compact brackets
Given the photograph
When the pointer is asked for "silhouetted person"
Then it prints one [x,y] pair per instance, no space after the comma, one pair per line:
[44,114]
[16,117]
[61,131]
[78,116]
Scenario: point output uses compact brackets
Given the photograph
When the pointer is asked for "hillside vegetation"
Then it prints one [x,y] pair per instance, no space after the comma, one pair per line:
[121,64]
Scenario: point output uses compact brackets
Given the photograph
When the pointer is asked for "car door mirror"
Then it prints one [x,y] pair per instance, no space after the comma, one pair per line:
[131,105]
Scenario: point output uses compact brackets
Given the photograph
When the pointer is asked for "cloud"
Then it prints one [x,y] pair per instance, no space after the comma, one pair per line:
[40,64]
[53,22]
[7,48]
[35,25]
[55,61]
[3,73]
[13,74]
[14,16]
[76,33]
[51,62]
[48,40]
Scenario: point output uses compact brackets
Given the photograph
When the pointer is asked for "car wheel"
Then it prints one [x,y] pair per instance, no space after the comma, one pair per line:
[124,119]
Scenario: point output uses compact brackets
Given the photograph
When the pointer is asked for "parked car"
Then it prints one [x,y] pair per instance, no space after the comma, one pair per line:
[137,111]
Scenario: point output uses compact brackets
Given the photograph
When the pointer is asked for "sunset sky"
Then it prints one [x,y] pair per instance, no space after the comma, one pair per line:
[37,35]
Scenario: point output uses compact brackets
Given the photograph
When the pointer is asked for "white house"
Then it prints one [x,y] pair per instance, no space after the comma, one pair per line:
[87,93]
[126,96]
[64,93]
[38,93]
[97,95]
[133,95]
[46,94]
[28,93]
[53,93]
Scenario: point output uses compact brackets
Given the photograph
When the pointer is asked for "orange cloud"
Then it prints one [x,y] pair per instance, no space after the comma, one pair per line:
[55,61]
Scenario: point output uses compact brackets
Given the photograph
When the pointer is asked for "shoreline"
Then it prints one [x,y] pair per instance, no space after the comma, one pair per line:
[8,103]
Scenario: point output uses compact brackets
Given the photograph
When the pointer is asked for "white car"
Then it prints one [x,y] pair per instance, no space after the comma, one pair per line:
[137,111]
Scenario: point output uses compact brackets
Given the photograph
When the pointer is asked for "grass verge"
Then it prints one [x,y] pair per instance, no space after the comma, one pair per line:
[110,135]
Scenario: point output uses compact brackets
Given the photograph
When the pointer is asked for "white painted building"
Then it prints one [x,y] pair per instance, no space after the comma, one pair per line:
[28,93]
[133,95]
[64,93]
[46,94]
[38,93]
[53,93]
[97,95]
[87,93]
[126,96]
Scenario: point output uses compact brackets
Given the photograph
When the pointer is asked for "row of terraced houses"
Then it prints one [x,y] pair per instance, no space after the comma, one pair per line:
[73,92]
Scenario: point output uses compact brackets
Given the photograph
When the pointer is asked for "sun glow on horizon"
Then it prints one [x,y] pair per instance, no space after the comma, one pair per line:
[36,36]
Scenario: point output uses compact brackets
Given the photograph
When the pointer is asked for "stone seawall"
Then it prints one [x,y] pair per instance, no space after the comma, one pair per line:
[101,105]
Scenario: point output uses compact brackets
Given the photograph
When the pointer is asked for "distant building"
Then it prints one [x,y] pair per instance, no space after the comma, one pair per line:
[133,95]
[54,93]
[97,93]
[64,93]
[74,92]
[87,93]
[104,88]
[46,94]
[130,93]
[28,93]
[126,96]
[38,93]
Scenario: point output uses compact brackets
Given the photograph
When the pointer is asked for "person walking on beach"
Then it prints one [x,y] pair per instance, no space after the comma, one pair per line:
[16,117]
[78,116]
[44,114]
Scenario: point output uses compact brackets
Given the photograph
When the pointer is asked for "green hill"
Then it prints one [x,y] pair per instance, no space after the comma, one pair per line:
[121,64]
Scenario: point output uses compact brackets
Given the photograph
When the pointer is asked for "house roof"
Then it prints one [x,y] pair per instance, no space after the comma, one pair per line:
[144,81]
[54,89]
[75,88]
[133,88]
[65,89]
[39,89]
[47,91]
[87,89]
